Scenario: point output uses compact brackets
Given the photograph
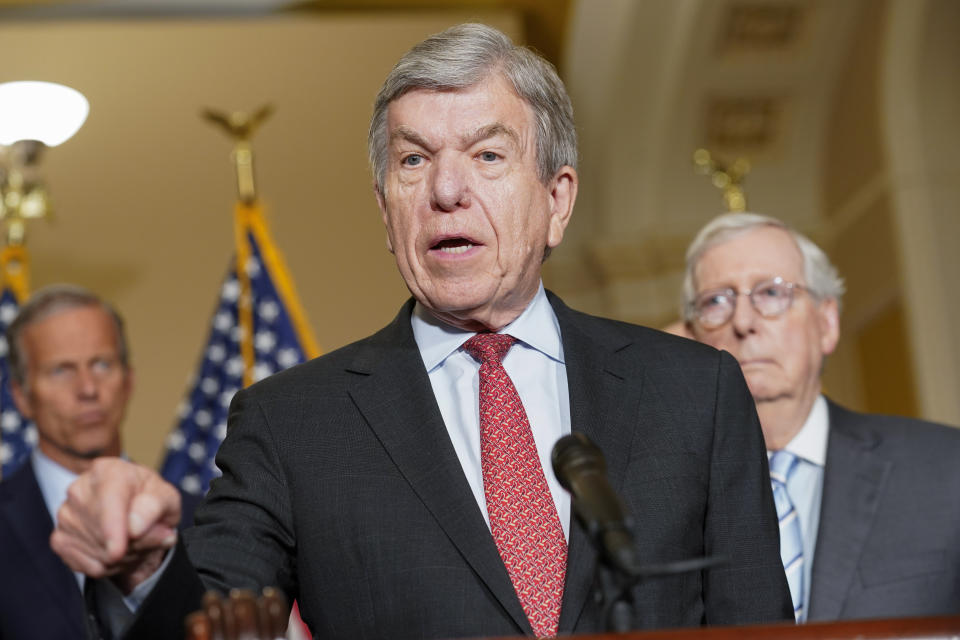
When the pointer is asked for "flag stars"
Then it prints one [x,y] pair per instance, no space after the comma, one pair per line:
[252,267]
[227,396]
[10,421]
[184,409]
[30,435]
[230,291]
[261,370]
[8,311]
[288,357]
[3,347]
[265,341]
[234,366]
[223,321]
[268,311]
[209,386]
[203,418]
[197,452]
[6,453]
[191,484]
[217,353]
[176,441]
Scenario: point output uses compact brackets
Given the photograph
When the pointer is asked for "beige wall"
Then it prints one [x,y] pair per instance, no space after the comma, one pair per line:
[890,208]
[871,369]
[145,191]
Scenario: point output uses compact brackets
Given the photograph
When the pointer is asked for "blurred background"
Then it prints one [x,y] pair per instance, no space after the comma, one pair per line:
[847,110]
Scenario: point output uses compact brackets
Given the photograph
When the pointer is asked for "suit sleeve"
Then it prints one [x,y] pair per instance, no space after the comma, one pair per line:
[741,523]
[242,533]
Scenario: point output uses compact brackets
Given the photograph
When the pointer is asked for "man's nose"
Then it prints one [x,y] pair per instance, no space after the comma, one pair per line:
[88,385]
[451,188]
[745,317]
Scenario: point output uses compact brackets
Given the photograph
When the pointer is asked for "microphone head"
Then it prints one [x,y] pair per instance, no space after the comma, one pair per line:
[574,455]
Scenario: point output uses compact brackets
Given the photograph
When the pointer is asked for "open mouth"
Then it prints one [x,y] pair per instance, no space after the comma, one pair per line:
[453,246]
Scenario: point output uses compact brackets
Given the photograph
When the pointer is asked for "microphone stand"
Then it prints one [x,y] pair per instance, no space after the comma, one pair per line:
[617,574]
[581,469]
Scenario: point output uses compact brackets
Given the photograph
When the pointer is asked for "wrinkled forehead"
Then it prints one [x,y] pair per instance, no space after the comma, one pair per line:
[492,101]
[742,259]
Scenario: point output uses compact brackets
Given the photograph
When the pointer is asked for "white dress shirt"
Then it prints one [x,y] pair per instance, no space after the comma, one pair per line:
[805,485]
[54,481]
[535,365]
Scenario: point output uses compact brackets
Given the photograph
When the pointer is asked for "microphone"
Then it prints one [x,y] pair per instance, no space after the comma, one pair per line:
[581,469]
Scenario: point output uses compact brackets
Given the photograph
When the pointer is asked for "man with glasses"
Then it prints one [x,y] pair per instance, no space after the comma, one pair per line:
[869,505]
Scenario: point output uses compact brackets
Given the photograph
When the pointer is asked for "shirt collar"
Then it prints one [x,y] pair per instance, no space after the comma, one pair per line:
[810,443]
[53,479]
[537,327]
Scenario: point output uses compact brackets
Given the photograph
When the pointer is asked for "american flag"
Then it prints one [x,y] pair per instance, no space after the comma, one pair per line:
[246,343]
[18,436]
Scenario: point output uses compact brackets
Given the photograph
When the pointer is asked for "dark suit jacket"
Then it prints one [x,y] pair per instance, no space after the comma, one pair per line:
[889,537]
[340,485]
[39,595]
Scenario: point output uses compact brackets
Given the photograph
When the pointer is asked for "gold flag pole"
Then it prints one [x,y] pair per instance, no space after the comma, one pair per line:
[728,178]
[240,126]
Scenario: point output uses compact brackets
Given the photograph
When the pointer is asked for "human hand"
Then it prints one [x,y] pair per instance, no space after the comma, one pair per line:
[118,521]
[239,617]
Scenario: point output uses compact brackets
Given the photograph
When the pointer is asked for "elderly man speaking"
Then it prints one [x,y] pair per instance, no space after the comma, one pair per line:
[400,486]
[869,505]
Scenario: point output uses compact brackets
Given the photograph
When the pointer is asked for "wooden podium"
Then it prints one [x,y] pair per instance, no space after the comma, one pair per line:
[258,619]
[938,628]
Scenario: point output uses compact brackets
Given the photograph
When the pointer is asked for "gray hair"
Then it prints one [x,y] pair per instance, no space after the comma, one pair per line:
[459,58]
[47,302]
[822,278]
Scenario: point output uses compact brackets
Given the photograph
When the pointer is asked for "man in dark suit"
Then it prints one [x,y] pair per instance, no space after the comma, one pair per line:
[877,498]
[70,375]
[401,486]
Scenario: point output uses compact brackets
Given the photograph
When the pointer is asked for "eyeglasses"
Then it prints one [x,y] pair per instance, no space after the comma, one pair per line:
[770,298]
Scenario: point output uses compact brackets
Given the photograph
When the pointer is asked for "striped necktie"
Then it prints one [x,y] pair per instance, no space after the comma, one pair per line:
[523,516]
[782,464]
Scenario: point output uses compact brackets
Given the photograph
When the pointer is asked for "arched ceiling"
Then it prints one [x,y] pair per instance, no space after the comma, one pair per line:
[652,81]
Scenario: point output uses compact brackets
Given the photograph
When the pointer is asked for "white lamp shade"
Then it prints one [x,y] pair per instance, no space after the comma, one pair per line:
[44,111]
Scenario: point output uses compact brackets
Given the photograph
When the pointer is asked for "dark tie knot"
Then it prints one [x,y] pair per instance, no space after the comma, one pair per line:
[489,347]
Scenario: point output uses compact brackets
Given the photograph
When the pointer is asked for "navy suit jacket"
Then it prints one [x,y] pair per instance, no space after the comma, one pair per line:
[889,537]
[341,486]
[39,595]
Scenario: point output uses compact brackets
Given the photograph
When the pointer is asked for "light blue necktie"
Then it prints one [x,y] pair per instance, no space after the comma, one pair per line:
[782,464]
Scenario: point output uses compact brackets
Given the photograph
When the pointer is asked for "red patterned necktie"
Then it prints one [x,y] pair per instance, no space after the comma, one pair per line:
[523,516]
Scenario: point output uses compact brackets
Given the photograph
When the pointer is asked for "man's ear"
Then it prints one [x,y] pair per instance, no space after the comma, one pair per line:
[828,315]
[563,195]
[383,214]
[20,400]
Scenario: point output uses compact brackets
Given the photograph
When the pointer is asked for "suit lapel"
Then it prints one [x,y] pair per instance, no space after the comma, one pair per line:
[605,409]
[853,483]
[394,395]
[25,511]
